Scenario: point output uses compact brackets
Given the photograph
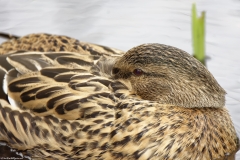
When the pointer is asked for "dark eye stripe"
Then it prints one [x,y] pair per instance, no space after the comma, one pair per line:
[115,70]
[155,75]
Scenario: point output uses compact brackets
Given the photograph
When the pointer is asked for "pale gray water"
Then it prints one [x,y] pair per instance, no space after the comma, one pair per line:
[124,24]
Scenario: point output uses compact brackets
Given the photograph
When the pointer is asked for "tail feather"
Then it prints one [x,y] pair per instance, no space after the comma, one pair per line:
[8,36]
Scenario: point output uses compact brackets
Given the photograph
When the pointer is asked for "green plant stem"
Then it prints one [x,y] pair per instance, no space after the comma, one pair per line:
[198,35]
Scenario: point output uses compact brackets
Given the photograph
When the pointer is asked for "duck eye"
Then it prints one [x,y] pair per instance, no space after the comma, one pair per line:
[115,70]
[137,72]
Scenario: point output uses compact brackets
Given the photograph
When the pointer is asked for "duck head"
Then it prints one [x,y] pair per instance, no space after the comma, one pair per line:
[168,75]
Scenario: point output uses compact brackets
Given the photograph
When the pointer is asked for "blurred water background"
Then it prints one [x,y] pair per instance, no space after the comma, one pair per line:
[124,24]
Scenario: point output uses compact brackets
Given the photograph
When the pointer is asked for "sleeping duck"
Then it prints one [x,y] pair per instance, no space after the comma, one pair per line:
[66,99]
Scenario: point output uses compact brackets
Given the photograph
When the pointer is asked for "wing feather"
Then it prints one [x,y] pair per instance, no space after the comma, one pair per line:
[24,130]
[66,85]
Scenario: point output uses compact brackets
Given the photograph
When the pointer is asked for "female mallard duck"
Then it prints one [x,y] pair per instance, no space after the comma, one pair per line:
[153,102]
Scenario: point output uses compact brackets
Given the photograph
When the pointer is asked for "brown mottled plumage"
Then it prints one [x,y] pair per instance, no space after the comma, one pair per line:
[52,43]
[154,102]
